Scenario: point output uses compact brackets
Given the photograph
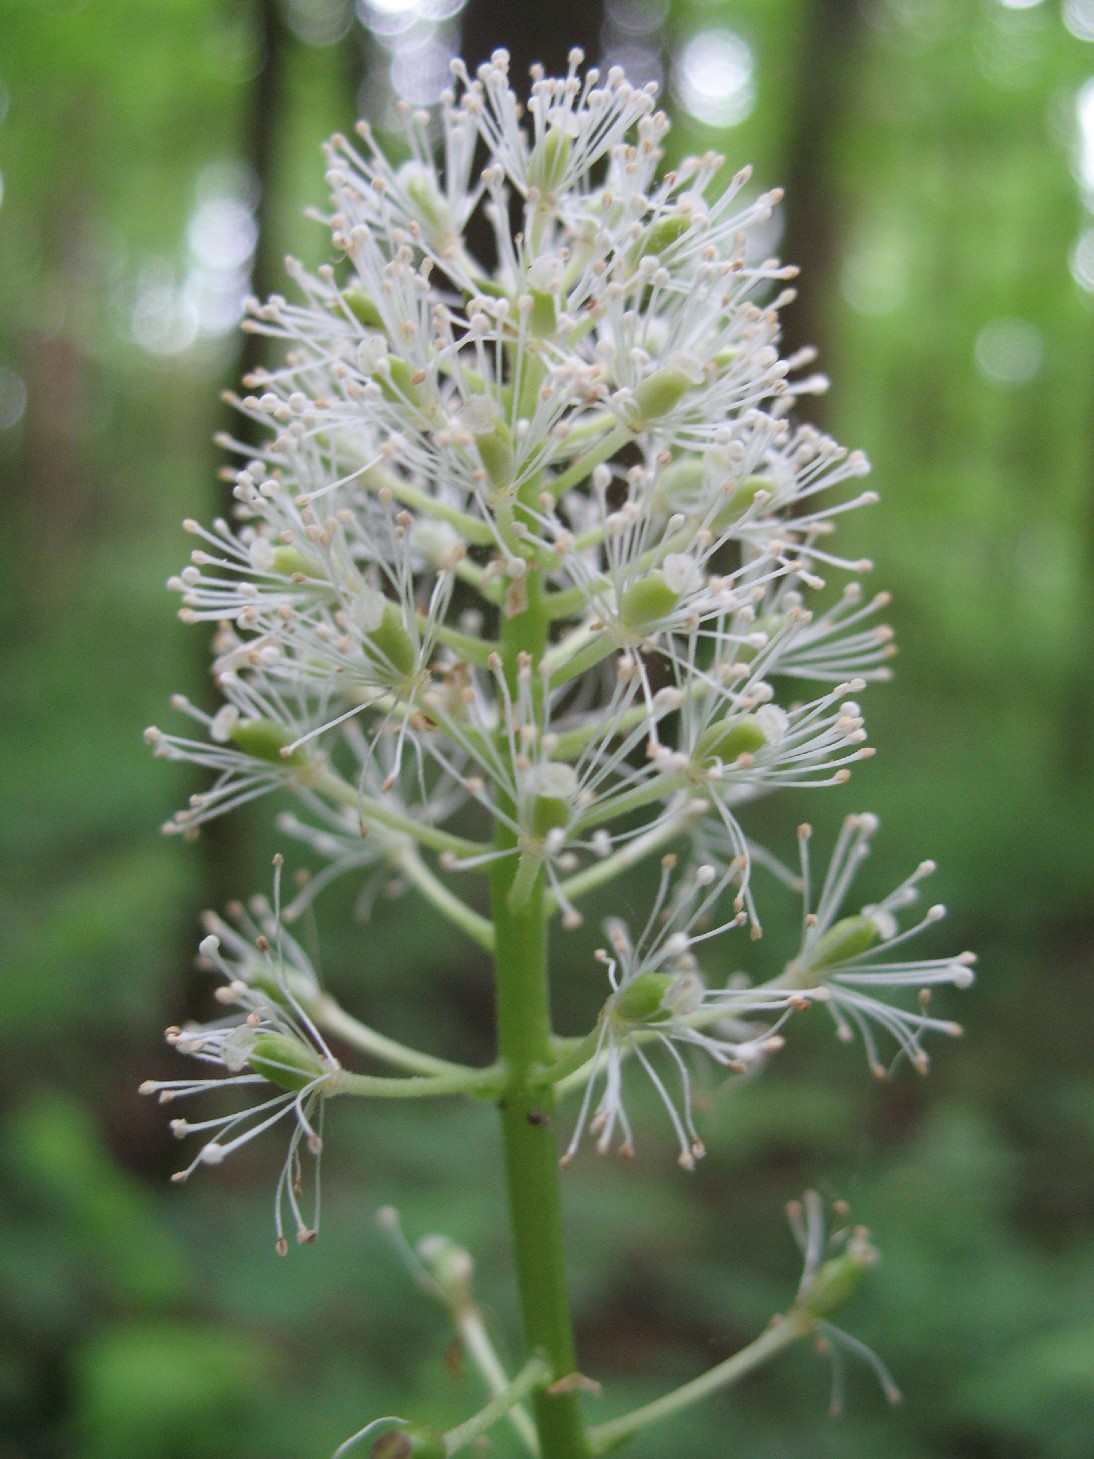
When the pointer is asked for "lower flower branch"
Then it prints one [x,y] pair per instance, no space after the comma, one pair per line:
[332,1018]
[535,1374]
[486,1083]
[781,1334]
[476,1343]
[630,855]
[480,929]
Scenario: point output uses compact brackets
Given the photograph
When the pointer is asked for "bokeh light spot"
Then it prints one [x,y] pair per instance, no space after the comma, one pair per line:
[1082,261]
[13,398]
[422,74]
[1009,351]
[874,277]
[1079,18]
[1084,114]
[713,78]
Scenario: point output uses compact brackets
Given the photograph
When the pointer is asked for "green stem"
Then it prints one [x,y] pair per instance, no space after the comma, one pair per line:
[376,478]
[535,1373]
[476,1342]
[632,800]
[333,1018]
[416,1086]
[527,1109]
[480,929]
[781,1333]
[584,659]
[327,782]
[586,464]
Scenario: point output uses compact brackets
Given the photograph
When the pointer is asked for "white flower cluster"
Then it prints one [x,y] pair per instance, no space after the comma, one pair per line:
[592,427]
[268,1042]
[658,997]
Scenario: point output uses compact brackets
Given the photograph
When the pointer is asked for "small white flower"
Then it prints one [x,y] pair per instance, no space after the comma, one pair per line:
[658,999]
[268,1044]
[834,1263]
[849,956]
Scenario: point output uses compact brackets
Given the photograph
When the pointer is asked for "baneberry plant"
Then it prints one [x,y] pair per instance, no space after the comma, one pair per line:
[518,596]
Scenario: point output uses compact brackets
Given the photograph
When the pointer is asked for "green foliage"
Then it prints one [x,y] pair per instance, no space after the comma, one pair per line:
[162,1389]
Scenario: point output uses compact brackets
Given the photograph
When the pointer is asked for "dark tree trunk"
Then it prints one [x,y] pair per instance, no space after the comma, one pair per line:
[531,31]
[823,89]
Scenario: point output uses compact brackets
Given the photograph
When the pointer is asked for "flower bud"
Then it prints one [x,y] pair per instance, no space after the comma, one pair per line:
[662,392]
[655,595]
[544,315]
[265,740]
[847,938]
[681,483]
[396,381]
[647,600]
[493,440]
[549,160]
[362,307]
[449,1265]
[643,999]
[285,1061]
[420,185]
[663,234]
[741,499]
[393,643]
[288,560]
[412,1442]
[554,788]
[837,1279]
[726,739]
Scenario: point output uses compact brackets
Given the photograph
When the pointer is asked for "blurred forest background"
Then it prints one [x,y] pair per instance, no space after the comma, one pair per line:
[939,156]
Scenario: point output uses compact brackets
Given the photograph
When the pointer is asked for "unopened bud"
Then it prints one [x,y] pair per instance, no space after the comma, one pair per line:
[449,1265]
[396,381]
[742,498]
[493,440]
[289,560]
[555,788]
[661,235]
[647,600]
[837,1279]
[681,482]
[420,185]
[661,392]
[393,643]
[363,308]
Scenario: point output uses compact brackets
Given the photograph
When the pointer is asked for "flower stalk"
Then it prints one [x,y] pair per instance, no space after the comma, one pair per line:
[531,575]
[526,1108]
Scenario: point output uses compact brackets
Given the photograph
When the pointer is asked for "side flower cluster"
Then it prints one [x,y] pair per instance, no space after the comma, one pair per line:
[269,1045]
[659,1002]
